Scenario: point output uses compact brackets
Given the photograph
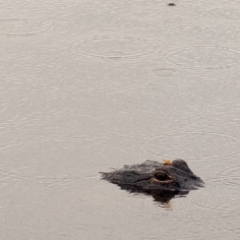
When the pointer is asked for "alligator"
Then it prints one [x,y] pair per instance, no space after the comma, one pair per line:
[162,180]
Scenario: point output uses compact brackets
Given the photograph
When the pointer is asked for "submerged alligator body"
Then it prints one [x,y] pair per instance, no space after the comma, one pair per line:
[162,180]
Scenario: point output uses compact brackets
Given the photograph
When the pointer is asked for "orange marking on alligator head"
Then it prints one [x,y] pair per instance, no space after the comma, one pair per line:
[167,162]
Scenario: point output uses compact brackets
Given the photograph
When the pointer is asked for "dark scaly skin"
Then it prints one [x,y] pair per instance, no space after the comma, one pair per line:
[157,179]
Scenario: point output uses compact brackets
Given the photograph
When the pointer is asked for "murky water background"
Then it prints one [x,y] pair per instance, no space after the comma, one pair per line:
[90,85]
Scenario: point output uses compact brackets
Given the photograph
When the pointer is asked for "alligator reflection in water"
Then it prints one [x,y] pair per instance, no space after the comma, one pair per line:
[161,180]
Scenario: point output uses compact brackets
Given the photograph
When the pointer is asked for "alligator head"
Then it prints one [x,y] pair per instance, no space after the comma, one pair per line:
[157,179]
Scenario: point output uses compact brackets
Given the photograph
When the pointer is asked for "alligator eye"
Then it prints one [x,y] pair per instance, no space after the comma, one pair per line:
[161,176]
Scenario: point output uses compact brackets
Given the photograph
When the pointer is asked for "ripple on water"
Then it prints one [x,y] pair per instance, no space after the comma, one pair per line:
[114,48]
[23,26]
[164,72]
[201,145]
[231,177]
[218,200]
[223,13]
[203,57]
[212,202]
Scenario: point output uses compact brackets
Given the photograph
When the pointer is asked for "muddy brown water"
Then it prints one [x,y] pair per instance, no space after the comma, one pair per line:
[91,85]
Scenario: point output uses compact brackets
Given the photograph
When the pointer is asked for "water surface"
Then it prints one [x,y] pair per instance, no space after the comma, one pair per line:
[91,85]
